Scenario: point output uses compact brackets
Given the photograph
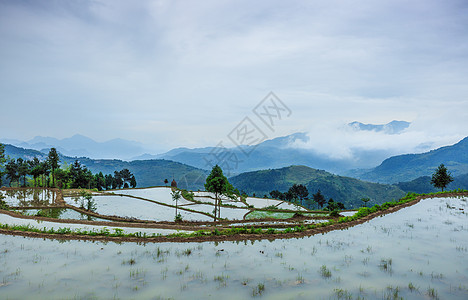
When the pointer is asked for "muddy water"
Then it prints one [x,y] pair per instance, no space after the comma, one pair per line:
[417,253]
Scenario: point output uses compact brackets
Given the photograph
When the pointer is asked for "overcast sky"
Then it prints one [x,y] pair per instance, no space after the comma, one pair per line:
[185,73]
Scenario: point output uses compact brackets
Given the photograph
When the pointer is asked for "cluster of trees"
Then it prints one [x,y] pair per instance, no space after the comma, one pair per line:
[298,193]
[47,173]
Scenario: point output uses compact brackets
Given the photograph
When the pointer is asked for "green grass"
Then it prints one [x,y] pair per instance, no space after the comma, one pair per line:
[363,212]
[261,214]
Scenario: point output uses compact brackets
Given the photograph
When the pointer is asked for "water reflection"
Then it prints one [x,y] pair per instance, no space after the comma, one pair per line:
[28,197]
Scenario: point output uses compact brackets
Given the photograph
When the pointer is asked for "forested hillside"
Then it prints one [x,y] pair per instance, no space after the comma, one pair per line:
[347,190]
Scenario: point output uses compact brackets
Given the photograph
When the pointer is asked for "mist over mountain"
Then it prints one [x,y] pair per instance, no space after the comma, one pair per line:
[82,146]
[393,127]
[274,153]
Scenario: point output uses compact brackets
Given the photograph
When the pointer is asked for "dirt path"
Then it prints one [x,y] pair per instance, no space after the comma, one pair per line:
[235,237]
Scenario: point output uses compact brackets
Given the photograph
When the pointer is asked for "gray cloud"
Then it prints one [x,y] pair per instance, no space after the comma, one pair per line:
[173,73]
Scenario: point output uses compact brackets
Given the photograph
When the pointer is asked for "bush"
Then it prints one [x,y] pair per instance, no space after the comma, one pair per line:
[3,204]
[178,218]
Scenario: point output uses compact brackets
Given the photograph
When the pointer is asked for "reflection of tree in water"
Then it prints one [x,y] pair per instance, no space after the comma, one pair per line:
[31,197]
[51,212]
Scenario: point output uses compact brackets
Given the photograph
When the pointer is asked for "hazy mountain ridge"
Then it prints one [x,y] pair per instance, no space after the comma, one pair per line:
[408,167]
[147,172]
[79,145]
[423,184]
[275,153]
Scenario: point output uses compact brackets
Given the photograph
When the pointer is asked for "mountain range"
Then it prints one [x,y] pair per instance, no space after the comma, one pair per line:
[82,146]
[275,153]
[347,190]
[408,172]
[147,172]
[411,166]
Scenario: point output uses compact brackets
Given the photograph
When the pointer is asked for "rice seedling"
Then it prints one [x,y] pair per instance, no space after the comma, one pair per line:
[342,294]
[412,287]
[386,265]
[258,290]
[325,272]
[300,279]
[432,293]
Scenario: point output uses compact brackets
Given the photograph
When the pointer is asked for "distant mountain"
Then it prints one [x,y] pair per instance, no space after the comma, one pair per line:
[147,172]
[18,152]
[274,153]
[394,127]
[408,167]
[347,190]
[79,145]
[423,184]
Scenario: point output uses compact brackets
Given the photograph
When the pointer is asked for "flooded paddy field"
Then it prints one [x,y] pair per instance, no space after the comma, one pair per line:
[125,206]
[418,252]
[29,197]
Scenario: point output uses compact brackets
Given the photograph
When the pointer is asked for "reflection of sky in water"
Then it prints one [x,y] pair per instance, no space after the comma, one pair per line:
[6,219]
[135,208]
[426,243]
[64,213]
[160,194]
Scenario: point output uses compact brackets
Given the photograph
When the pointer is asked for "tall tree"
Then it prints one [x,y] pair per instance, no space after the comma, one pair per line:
[319,198]
[53,159]
[118,179]
[133,182]
[298,191]
[12,171]
[35,169]
[175,197]
[45,171]
[218,184]
[441,177]
[23,169]
[2,162]
[109,181]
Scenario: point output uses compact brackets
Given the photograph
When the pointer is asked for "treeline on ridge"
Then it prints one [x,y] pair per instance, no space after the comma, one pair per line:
[48,173]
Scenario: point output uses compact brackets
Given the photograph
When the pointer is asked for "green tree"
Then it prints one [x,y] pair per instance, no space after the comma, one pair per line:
[12,171]
[298,191]
[365,200]
[45,171]
[118,180]
[175,197]
[441,177]
[35,169]
[23,169]
[2,162]
[319,198]
[219,185]
[133,182]
[53,159]
[109,181]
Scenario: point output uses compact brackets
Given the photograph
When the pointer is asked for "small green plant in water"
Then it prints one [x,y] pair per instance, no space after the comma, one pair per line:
[325,272]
